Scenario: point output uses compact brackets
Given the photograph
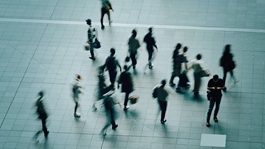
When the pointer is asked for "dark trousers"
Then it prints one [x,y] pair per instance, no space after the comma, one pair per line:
[197,82]
[91,50]
[126,99]
[150,55]
[133,58]
[44,128]
[216,100]
[112,76]
[110,119]
[225,73]
[103,12]
[163,108]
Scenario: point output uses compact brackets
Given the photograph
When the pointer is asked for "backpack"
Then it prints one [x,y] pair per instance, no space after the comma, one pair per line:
[154,93]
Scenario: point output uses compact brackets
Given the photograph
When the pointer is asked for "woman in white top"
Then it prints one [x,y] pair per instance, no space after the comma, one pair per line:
[197,66]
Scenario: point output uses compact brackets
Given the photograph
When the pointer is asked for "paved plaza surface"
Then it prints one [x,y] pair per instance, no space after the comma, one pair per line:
[42,48]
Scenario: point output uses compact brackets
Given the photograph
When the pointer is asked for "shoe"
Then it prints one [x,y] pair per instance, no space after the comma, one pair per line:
[93,58]
[215,119]
[114,127]
[126,108]
[208,124]
[172,84]
[150,66]
[102,27]
[178,89]
[163,121]
[110,23]
[77,115]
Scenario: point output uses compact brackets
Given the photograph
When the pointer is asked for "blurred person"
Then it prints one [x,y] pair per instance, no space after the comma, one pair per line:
[183,78]
[134,45]
[91,37]
[76,90]
[127,87]
[42,115]
[150,44]
[105,9]
[109,103]
[227,63]
[215,85]
[111,65]
[176,59]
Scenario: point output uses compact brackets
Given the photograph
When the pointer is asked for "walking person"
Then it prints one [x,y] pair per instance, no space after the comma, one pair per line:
[162,93]
[176,59]
[227,63]
[134,45]
[76,90]
[127,87]
[215,85]
[91,37]
[105,9]
[111,65]
[109,104]
[150,44]
[183,79]
[42,115]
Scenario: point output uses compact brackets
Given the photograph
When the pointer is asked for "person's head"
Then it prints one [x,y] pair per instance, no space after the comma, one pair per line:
[88,21]
[163,82]
[41,94]
[227,48]
[112,51]
[125,67]
[198,56]
[185,49]
[150,29]
[215,78]
[78,77]
[178,46]
[134,33]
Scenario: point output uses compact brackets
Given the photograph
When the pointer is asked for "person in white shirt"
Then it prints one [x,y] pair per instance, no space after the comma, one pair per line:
[197,66]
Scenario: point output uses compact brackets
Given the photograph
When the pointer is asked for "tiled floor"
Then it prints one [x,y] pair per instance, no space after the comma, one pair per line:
[41,47]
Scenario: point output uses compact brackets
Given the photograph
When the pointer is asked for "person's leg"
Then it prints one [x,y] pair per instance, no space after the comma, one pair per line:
[108,13]
[76,106]
[112,119]
[232,76]
[196,84]
[173,75]
[103,11]
[217,105]
[92,51]
[210,109]
[126,100]
[44,128]
[112,77]
[133,58]
[163,111]
[225,72]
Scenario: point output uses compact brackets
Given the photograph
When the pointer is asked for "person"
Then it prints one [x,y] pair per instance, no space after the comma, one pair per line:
[227,63]
[126,85]
[176,59]
[91,36]
[75,93]
[134,45]
[109,103]
[105,9]
[162,94]
[197,66]
[215,85]
[150,44]
[102,86]
[42,115]
[183,79]
[111,65]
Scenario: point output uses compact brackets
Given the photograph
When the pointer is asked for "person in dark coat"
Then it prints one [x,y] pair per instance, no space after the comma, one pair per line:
[227,63]
[150,44]
[176,60]
[126,85]
[42,115]
[109,104]
[105,9]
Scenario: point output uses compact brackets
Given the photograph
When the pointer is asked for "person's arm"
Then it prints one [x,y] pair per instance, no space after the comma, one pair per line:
[118,64]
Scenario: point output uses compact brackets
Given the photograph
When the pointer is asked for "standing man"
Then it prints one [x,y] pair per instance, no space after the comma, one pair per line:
[215,85]
[150,44]
[76,91]
[197,66]
[162,94]
[126,85]
[134,45]
[91,36]
[176,59]
[42,114]
[111,65]
[105,9]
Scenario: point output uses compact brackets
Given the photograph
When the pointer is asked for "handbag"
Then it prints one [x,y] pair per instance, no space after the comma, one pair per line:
[96,44]
[133,99]
[87,46]
[205,73]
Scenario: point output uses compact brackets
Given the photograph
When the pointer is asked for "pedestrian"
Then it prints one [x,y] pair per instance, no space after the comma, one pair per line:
[134,45]
[103,88]
[176,59]
[91,37]
[76,90]
[183,79]
[111,65]
[215,85]
[198,67]
[109,103]
[162,93]
[227,63]
[150,44]
[42,115]
[127,87]
[105,9]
